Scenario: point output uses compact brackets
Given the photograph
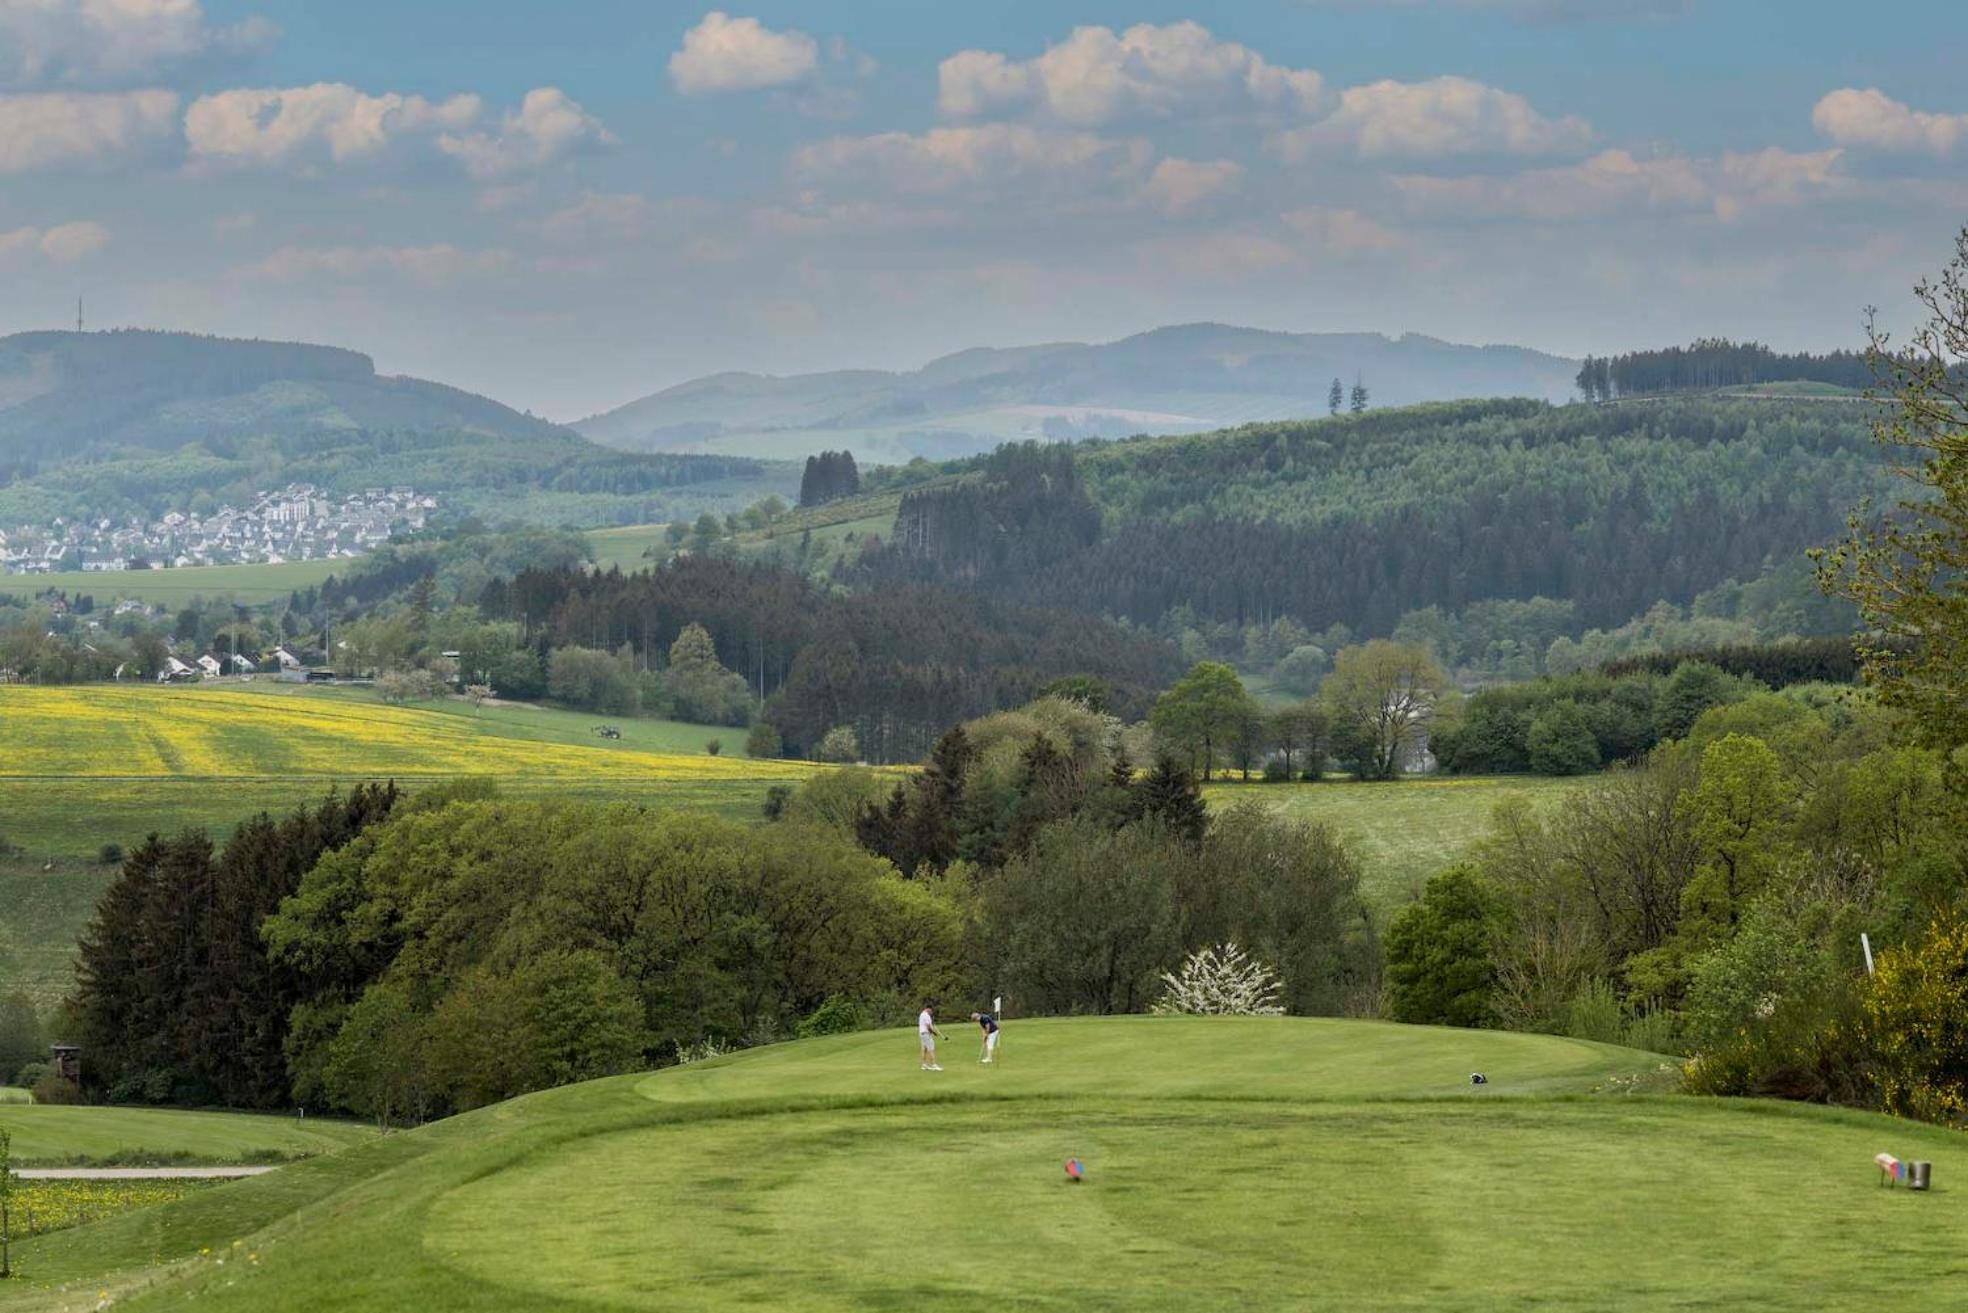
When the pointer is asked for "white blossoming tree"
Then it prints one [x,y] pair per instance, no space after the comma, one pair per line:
[1221,981]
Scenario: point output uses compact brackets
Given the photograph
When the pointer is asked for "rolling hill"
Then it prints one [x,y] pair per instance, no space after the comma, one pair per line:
[1171,380]
[124,423]
[1260,1163]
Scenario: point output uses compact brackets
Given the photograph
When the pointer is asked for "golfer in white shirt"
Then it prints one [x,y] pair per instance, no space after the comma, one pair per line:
[927,1033]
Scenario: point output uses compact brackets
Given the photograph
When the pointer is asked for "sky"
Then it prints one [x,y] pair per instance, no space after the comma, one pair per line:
[570,205]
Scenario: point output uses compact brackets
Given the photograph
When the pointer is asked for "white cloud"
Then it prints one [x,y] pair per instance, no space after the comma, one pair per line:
[430,266]
[97,42]
[723,53]
[1544,10]
[331,121]
[615,218]
[65,243]
[1615,182]
[547,126]
[1442,116]
[1850,117]
[279,125]
[80,127]
[1097,76]
[944,159]
[1341,232]
[1178,186]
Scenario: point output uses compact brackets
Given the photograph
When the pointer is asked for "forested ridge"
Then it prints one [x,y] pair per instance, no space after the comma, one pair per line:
[1363,519]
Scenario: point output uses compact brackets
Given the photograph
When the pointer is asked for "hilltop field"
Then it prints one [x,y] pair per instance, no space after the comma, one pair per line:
[85,766]
[1260,1163]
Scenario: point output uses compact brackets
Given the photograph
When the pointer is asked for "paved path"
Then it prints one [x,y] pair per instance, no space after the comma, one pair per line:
[137,1173]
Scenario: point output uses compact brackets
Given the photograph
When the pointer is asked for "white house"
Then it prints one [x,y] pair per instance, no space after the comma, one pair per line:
[209,664]
[173,669]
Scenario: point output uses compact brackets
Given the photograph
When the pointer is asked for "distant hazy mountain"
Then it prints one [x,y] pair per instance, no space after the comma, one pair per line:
[1171,380]
[64,395]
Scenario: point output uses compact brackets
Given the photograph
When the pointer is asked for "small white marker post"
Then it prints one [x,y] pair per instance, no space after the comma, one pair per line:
[997,1010]
[1866,944]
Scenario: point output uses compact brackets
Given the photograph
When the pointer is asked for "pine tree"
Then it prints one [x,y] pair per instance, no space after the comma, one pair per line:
[1336,397]
[1170,794]
[1359,403]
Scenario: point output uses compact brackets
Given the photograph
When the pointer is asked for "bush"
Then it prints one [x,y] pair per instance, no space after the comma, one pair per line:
[762,743]
[110,854]
[839,745]
[837,1016]
[1914,1019]
[1275,772]
[399,686]
[714,747]
[32,1074]
[52,1089]
[776,799]
[1220,982]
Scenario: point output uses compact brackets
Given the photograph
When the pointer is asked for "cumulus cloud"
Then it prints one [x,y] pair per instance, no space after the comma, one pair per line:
[106,42]
[65,243]
[430,266]
[1097,76]
[1442,116]
[723,53]
[1178,186]
[57,128]
[945,159]
[331,121]
[547,126]
[1614,182]
[1851,117]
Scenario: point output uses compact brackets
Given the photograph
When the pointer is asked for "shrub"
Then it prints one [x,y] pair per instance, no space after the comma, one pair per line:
[594,681]
[762,743]
[714,747]
[110,854]
[32,1074]
[840,745]
[53,1089]
[1220,982]
[776,798]
[1275,772]
[837,1016]
[1914,1018]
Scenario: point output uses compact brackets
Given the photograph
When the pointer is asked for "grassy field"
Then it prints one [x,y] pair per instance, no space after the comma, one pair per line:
[1255,1163]
[247,584]
[89,765]
[1404,831]
[58,1136]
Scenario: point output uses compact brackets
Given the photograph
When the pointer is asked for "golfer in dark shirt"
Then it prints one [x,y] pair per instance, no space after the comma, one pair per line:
[989,1025]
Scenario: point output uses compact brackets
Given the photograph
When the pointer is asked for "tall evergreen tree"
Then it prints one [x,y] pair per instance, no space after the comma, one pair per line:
[1335,397]
[1359,399]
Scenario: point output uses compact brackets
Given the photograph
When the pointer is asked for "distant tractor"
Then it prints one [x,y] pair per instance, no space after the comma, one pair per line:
[608,731]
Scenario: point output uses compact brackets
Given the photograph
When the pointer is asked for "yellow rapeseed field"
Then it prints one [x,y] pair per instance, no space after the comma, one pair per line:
[125,732]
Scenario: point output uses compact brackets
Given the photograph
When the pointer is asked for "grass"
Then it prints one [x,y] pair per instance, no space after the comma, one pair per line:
[1258,1163]
[1403,831]
[246,584]
[53,1135]
[39,1207]
[14,1094]
[87,765]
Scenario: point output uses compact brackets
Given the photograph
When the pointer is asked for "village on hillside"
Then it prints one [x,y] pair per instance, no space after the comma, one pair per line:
[299,522]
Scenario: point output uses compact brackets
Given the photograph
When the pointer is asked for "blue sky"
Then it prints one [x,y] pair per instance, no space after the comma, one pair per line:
[570,205]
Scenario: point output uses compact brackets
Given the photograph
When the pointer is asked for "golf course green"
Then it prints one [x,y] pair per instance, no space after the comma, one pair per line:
[1258,1163]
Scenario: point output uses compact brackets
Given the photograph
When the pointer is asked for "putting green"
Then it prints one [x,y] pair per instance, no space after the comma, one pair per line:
[1404,1206]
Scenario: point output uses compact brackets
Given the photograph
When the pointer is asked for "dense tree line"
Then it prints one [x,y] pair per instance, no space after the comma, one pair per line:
[1024,508]
[897,664]
[1778,665]
[1716,363]
[177,999]
[828,477]
[1364,521]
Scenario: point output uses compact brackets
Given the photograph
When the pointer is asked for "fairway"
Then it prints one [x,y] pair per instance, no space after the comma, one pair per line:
[124,1137]
[1403,831]
[1260,1163]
